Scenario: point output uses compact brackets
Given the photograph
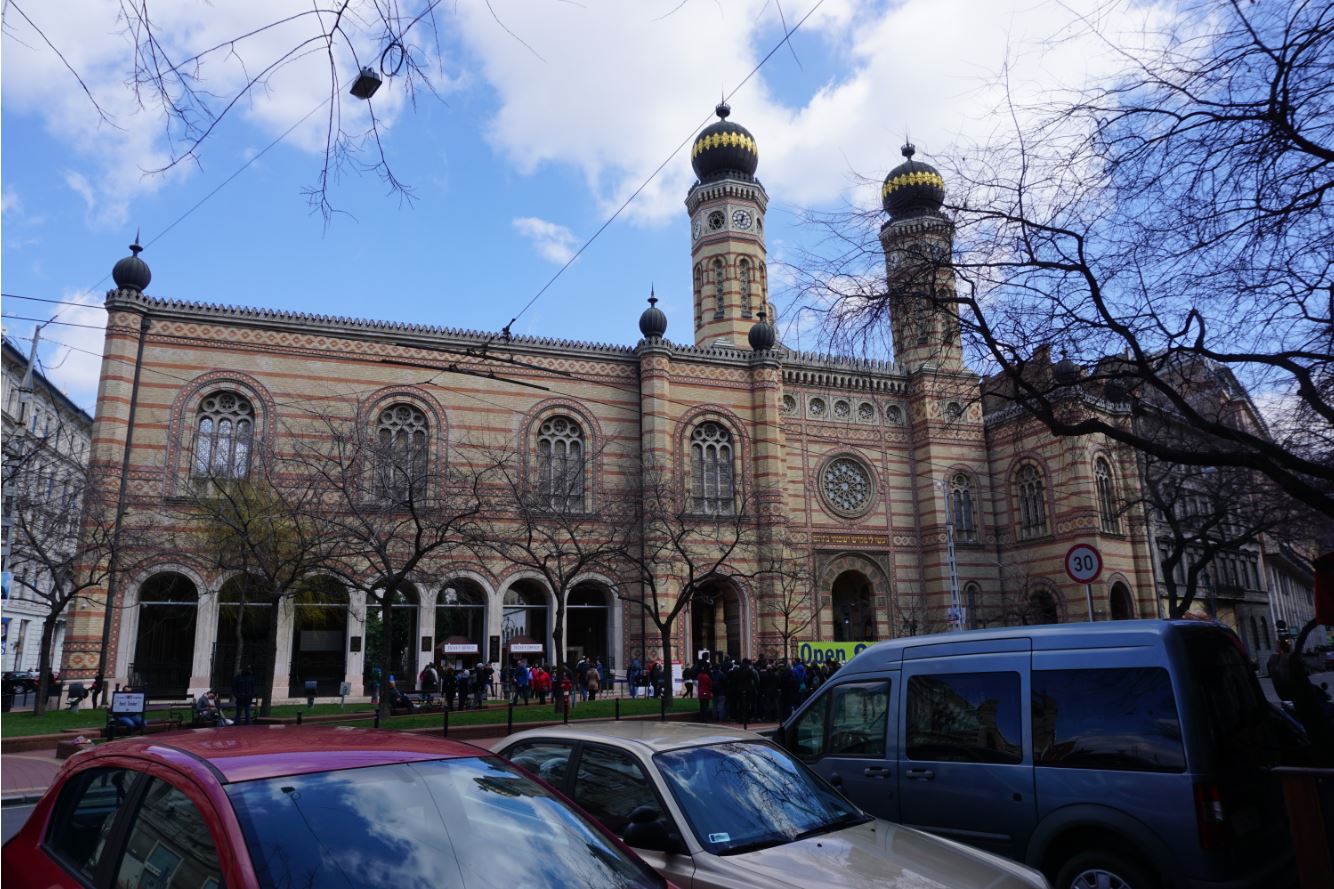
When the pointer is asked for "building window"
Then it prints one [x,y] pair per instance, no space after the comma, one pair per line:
[717,289]
[560,465]
[699,295]
[711,468]
[743,270]
[961,509]
[224,430]
[1102,474]
[1032,502]
[400,434]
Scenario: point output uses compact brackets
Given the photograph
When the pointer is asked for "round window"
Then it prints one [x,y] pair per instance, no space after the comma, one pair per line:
[847,485]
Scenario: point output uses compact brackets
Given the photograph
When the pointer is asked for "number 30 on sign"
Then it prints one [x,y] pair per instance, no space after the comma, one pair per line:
[1083,563]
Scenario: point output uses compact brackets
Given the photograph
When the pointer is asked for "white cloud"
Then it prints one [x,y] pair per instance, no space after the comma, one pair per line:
[554,243]
[10,202]
[72,356]
[78,183]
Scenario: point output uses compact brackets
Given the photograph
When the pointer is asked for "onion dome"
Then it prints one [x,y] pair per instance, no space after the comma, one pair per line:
[724,147]
[653,323]
[1066,372]
[762,335]
[912,188]
[132,273]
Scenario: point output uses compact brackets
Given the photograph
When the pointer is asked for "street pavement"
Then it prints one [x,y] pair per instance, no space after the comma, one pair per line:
[11,819]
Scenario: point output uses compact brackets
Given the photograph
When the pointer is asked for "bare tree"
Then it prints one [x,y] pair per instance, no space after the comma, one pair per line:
[392,504]
[193,88]
[684,544]
[268,524]
[544,521]
[63,521]
[1173,216]
[796,602]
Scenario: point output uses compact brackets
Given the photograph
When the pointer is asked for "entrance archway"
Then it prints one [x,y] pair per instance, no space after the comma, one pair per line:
[716,620]
[243,628]
[402,637]
[165,644]
[527,613]
[588,624]
[319,636]
[854,616]
[1122,606]
[460,622]
[1041,608]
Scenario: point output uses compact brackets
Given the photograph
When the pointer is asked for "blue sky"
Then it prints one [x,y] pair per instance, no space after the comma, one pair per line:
[526,152]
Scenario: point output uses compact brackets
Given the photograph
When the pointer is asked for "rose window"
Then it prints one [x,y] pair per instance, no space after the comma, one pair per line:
[865,412]
[789,404]
[817,407]
[842,410]
[847,485]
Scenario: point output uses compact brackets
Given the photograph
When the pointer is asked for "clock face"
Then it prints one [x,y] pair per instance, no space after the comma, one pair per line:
[698,228]
[716,219]
[741,219]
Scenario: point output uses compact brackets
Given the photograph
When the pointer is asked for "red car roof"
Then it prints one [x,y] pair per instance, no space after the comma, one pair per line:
[245,753]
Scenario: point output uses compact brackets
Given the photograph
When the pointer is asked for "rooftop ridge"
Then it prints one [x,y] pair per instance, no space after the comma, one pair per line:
[126,297]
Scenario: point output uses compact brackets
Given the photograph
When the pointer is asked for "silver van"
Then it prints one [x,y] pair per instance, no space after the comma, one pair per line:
[1118,755]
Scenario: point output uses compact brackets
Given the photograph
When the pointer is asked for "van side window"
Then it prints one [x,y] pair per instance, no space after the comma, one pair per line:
[1122,718]
[858,719]
[965,717]
[808,731]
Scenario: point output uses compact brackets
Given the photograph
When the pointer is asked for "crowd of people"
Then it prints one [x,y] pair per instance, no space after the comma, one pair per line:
[758,691]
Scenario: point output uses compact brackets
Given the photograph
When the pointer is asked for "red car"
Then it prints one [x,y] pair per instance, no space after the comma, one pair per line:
[308,807]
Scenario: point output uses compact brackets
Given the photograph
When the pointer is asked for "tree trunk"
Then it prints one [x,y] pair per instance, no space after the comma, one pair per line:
[240,631]
[666,630]
[387,655]
[44,664]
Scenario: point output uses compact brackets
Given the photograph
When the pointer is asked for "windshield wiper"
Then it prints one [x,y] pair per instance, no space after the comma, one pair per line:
[755,845]
[849,820]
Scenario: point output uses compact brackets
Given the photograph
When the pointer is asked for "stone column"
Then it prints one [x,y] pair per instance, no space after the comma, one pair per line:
[427,596]
[356,626]
[282,656]
[206,633]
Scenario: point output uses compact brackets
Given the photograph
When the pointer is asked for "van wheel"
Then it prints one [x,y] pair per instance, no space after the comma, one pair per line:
[1103,869]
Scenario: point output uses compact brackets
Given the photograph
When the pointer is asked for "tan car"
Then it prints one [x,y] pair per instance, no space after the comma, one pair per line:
[711,806]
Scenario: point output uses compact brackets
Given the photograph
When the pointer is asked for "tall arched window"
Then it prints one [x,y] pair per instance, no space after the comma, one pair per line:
[961,508]
[560,465]
[699,295]
[1107,515]
[743,276]
[711,469]
[224,429]
[401,453]
[717,289]
[1032,502]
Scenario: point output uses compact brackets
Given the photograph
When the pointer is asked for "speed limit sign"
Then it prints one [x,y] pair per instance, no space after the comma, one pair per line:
[1083,563]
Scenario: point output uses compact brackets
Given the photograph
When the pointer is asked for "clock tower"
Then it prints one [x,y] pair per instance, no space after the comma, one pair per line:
[726,205]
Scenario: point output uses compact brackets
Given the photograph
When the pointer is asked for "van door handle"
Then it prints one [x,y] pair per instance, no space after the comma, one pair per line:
[876,772]
[919,774]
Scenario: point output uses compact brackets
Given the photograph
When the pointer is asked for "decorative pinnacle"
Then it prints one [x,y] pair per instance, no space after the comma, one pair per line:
[908,150]
[723,110]
[135,248]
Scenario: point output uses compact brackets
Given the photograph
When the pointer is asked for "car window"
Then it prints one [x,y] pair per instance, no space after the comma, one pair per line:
[1115,718]
[1235,710]
[610,784]
[170,846]
[964,717]
[84,815]
[743,795]
[807,733]
[470,823]
[858,717]
[548,760]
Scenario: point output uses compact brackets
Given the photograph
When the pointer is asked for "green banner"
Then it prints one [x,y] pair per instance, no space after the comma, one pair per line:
[815,652]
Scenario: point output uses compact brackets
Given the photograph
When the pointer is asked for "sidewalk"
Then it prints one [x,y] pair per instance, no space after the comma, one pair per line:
[27,775]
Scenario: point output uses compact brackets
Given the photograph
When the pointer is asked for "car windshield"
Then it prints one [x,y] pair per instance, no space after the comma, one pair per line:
[469,823]
[747,795]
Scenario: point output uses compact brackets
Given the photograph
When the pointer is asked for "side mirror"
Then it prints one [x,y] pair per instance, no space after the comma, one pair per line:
[648,830]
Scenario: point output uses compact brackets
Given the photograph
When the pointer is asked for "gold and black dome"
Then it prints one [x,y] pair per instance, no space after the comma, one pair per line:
[723,148]
[912,188]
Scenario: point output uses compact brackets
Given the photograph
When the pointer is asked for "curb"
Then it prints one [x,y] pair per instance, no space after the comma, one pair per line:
[27,799]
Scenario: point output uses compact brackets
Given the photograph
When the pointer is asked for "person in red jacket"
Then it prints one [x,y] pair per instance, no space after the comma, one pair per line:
[541,684]
[704,688]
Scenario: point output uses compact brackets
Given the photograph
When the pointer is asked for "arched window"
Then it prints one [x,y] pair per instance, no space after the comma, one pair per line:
[1032,502]
[972,617]
[401,452]
[699,295]
[743,275]
[961,509]
[560,465]
[717,289]
[224,429]
[1107,515]
[711,469]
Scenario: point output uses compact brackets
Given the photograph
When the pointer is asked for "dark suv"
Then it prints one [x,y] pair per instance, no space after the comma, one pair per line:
[1129,754]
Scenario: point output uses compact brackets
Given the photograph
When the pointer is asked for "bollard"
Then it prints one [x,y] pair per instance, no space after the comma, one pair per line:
[662,709]
[745,711]
[509,720]
[377,717]
[566,700]
[618,708]
[298,717]
[445,728]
